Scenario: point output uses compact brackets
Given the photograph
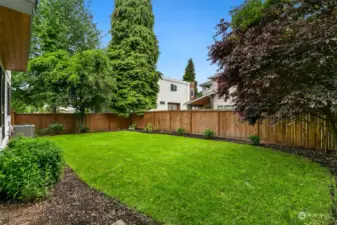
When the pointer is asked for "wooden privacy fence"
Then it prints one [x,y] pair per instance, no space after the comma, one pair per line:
[309,132]
[95,122]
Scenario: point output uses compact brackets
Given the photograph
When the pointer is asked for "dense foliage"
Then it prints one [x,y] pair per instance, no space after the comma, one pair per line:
[63,25]
[89,84]
[279,57]
[60,28]
[28,167]
[44,82]
[134,53]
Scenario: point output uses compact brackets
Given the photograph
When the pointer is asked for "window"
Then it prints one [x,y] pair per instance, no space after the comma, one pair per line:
[162,102]
[220,106]
[173,87]
[192,93]
[173,106]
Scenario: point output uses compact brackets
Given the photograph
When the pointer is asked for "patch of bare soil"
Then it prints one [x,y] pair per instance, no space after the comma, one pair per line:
[72,202]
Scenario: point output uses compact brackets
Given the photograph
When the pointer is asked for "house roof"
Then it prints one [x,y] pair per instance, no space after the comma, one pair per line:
[175,80]
[208,83]
[214,76]
[203,100]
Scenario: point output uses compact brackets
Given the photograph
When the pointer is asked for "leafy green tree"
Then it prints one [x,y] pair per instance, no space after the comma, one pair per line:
[63,25]
[134,52]
[89,85]
[44,82]
[281,63]
[60,29]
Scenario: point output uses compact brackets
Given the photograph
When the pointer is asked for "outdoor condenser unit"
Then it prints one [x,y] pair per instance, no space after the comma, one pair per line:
[25,130]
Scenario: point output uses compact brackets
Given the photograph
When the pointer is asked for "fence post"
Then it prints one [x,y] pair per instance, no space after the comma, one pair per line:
[191,124]
[219,123]
[13,117]
[170,120]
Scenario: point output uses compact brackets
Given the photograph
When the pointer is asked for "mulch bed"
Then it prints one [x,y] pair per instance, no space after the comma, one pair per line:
[72,202]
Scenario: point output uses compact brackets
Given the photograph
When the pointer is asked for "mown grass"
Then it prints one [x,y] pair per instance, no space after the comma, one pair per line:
[179,180]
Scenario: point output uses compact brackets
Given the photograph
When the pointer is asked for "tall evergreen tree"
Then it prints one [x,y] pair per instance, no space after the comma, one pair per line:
[189,75]
[134,53]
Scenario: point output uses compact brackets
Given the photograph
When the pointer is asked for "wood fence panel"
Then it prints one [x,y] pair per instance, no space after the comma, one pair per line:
[68,121]
[233,128]
[161,121]
[97,122]
[149,118]
[181,119]
[204,120]
[138,120]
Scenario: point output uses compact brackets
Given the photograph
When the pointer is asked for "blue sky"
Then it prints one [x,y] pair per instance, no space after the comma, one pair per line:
[184,29]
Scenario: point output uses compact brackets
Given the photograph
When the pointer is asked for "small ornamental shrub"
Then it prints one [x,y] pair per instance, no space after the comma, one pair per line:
[82,129]
[148,128]
[209,134]
[181,131]
[55,128]
[255,139]
[28,167]
[132,127]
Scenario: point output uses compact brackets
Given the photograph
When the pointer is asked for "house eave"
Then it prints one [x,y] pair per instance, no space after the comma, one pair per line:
[15,31]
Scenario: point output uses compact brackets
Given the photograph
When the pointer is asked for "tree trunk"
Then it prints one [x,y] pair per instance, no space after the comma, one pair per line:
[332,129]
[331,124]
[54,109]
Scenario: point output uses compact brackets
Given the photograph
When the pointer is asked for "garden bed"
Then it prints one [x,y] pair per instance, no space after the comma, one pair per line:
[72,202]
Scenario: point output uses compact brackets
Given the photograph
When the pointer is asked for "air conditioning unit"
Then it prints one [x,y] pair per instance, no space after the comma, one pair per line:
[25,130]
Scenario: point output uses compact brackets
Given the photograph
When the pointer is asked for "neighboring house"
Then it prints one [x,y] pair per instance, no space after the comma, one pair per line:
[15,32]
[173,94]
[210,99]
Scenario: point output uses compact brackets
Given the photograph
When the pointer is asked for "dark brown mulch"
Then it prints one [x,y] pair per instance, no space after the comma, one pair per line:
[72,202]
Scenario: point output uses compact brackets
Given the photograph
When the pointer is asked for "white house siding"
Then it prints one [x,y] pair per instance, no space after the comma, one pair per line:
[165,95]
[4,140]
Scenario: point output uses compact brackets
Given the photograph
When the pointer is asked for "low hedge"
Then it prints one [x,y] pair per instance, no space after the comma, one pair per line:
[28,167]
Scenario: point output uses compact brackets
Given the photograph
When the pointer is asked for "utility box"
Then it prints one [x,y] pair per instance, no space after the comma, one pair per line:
[25,130]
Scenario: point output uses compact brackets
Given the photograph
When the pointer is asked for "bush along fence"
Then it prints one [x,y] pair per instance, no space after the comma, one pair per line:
[308,132]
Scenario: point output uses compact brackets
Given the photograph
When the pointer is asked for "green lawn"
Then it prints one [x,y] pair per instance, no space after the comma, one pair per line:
[182,181]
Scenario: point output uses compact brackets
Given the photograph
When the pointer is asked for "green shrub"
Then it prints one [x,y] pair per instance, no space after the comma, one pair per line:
[55,128]
[82,129]
[181,131]
[132,127]
[28,167]
[148,128]
[209,134]
[255,139]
